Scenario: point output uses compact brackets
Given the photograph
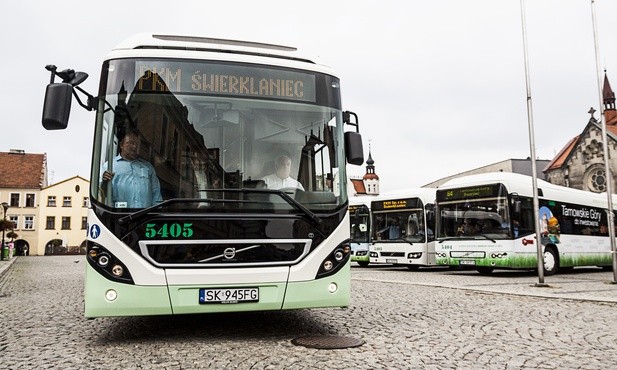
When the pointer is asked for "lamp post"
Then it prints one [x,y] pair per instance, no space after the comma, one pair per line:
[5,206]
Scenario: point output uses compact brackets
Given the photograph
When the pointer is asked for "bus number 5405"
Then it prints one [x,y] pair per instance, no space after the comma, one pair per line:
[169,230]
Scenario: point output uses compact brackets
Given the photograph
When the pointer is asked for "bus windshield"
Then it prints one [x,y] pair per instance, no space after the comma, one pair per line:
[217,136]
[474,212]
[359,218]
[400,220]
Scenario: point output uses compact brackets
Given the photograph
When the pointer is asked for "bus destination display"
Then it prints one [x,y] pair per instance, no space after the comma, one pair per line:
[224,79]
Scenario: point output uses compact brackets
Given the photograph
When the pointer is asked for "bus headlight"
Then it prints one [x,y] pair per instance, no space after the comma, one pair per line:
[498,255]
[103,260]
[335,260]
[106,264]
[339,255]
[327,265]
[414,255]
[117,270]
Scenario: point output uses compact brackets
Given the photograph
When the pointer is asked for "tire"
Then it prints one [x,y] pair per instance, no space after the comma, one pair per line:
[551,262]
[484,270]
[363,263]
[413,267]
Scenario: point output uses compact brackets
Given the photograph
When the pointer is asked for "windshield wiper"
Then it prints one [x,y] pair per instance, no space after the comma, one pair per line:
[139,214]
[312,217]
[485,237]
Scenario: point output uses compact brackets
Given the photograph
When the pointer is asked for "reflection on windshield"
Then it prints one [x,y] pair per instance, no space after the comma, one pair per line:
[470,218]
[405,225]
[200,145]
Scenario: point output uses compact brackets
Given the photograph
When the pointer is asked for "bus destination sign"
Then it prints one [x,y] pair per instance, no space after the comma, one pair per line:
[466,193]
[224,79]
[395,204]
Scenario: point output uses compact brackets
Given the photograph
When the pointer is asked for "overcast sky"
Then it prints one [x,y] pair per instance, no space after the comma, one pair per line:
[439,86]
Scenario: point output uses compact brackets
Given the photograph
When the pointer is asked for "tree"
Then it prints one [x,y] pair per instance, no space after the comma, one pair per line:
[6,225]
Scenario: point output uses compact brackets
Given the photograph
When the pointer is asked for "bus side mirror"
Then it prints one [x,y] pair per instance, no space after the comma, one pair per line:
[57,106]
[517,206]
[353,148]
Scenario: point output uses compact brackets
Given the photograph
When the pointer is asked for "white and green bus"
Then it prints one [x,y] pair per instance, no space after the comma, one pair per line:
[360,228]
[487,222]
[216,119]
[402,228]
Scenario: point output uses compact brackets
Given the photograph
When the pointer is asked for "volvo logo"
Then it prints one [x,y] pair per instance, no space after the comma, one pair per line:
[229,253]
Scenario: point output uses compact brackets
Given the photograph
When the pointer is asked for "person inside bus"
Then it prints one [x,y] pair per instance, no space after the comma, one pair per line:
[468,227]
[280,179]
[393,229]
[134,182]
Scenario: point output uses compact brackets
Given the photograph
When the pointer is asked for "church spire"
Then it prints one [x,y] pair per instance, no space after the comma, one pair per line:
[370,179]
[608,98]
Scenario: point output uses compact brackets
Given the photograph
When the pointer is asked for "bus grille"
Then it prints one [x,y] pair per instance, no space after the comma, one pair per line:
[392,254]
[225,253]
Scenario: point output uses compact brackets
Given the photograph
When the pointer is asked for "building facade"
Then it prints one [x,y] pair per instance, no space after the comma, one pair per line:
[22,176]
[63,214]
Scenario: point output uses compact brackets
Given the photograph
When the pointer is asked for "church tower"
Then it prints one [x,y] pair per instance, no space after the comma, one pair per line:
[370,179]
[608,98]
[580,164]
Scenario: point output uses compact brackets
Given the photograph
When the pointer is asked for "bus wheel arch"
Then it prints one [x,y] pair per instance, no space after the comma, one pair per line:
[551,260]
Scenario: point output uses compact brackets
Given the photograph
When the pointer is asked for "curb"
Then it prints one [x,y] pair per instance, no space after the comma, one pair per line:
[4,265]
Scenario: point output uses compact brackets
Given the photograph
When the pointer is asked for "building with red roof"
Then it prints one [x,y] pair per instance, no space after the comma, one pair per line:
[22,176]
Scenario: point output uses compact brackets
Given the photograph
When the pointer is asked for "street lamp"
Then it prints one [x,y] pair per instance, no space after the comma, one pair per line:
[5,206]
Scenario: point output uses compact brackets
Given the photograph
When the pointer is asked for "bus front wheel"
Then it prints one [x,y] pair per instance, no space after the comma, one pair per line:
[551,262]
[363,263]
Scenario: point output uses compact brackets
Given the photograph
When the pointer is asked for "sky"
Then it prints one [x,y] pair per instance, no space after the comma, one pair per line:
[439,86]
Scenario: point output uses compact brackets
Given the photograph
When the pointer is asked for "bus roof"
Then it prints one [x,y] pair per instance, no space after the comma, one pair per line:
[194,47]
[427,195]
[521,184]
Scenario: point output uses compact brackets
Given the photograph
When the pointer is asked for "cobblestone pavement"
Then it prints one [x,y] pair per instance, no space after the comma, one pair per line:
[408,320]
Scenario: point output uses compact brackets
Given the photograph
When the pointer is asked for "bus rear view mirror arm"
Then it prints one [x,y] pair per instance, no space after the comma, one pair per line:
[57,103]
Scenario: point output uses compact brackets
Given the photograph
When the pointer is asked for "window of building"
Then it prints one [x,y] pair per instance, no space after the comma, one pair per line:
[51,223]
[28,222]
[51,201]
[14,199]
[66,223]
[85,204]
[29,200]
[15,220]
[84,223]
[66,201]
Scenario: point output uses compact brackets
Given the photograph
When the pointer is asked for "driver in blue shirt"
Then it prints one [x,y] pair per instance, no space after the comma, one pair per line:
[134,181]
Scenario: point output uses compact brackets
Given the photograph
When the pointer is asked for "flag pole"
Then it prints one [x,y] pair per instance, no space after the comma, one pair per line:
[607,168]
[532,149]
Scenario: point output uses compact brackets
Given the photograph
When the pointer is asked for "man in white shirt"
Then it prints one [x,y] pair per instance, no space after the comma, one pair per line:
[280,179]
